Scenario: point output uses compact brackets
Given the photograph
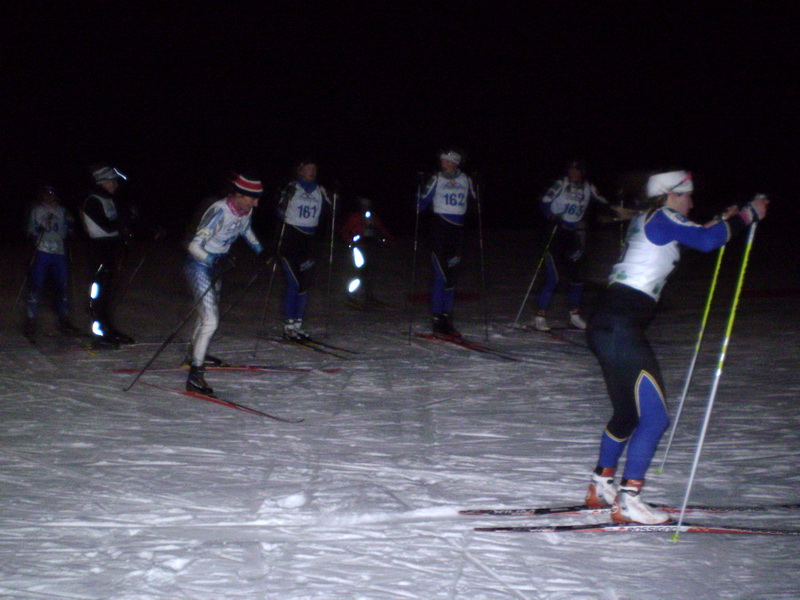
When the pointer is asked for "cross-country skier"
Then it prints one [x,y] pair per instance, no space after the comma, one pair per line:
[449,193]
[300,206]
[106,223]
[49,226]
[616,335]
[223,222]
[564,205]
[364,232]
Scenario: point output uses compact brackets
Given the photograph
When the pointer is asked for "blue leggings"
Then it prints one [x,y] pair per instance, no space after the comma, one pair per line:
[295,297]
[564,259]
[298,270]
[616,335]
[446,242]
[56,266]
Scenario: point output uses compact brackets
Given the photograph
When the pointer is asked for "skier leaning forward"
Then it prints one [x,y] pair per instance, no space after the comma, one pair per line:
[616,335]
[221,225]
[565,204]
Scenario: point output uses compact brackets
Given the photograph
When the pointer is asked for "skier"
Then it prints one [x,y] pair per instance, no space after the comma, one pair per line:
[449,192]
[564,204]
[223,222]
[49,226]
[106,223]
[364,232]
[616,335]
[300,206]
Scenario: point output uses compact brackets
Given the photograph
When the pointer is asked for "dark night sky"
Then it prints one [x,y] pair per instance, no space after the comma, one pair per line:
[178,95]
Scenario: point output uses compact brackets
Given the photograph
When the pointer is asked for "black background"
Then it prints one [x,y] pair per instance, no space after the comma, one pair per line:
[179,95]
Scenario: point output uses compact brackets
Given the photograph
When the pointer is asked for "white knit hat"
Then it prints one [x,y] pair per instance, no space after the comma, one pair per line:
[451,156]
[677,182]
[105,173]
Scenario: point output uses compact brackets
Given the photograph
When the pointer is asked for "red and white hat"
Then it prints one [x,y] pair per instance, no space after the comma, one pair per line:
[248,185]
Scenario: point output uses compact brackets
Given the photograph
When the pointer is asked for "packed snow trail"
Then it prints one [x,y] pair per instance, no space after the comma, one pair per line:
[145,495]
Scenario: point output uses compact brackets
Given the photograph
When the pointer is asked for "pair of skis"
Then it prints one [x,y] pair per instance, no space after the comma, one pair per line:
[314,345]
[466,344]
[322,347]
[308,343]
[670,527]
[560,334]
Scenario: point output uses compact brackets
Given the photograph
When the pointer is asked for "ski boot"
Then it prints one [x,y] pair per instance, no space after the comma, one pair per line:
[443,328]
[288,330]
[102,336]
[299,331]
[293,330]
[630,508]
[196,382]
[540,321]
[575,319]
[602,492]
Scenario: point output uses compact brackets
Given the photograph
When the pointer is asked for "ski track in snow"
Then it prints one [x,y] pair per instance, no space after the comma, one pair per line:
[148,495]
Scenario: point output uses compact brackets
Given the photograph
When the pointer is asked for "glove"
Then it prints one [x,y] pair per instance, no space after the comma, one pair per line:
[756,209]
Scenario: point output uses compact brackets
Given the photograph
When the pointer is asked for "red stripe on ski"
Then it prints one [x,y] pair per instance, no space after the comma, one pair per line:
[222,402]
[587,510]
[639,528]
[467,345]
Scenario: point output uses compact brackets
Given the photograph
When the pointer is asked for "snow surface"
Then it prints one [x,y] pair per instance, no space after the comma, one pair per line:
[145,494]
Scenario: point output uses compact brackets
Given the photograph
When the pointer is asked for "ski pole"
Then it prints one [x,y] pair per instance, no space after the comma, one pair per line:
[621,223]
[145,255]
[175,331]
[692,363]
[275,259]
[536,273]
[127,285]
[21,287]
[717,375]
[27,272]
[272,274]
[410,300]
[330,265]
[71,275]
[247,286]
[483,267]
